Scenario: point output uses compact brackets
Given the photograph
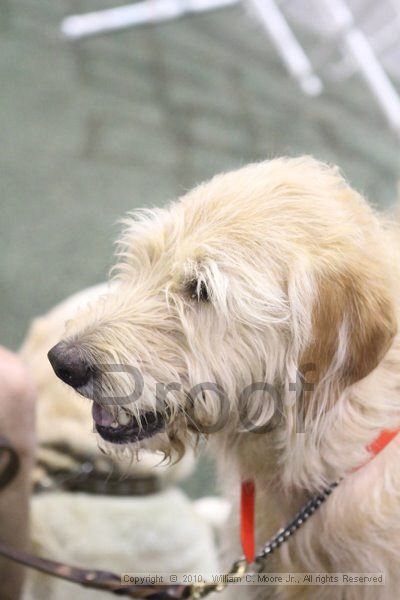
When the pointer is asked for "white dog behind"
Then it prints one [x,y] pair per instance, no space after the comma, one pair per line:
[121,533]
[261,274]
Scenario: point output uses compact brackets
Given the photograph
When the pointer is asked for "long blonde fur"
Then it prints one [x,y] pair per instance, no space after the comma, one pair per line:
[298,269]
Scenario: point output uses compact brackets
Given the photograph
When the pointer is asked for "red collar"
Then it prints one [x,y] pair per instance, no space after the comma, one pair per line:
[247,499]
[382,441]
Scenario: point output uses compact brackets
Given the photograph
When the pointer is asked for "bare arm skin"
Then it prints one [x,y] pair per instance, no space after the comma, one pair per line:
[17,424]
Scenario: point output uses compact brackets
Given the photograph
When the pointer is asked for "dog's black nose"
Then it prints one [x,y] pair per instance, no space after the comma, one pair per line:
[69,364]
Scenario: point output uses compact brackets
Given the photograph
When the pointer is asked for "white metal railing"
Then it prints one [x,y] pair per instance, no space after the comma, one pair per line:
[365,49]
[132,15]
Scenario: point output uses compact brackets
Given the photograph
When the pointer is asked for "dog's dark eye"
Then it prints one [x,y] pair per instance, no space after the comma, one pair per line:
[197,290]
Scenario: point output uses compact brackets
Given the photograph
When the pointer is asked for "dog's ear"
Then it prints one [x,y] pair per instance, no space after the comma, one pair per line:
[352,324]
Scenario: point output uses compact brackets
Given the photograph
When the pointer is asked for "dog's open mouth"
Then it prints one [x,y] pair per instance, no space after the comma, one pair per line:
[132,431]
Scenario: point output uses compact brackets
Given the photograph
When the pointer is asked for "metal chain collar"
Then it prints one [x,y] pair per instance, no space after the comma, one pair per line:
[239,568]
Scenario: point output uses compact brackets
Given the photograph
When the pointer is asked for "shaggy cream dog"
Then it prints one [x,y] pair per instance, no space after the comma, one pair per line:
[273,270]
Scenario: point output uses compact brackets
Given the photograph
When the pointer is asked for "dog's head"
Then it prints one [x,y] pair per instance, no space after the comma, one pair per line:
[224,297]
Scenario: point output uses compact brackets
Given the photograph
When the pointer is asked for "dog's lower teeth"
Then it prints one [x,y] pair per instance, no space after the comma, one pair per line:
[123,418]
[114,424]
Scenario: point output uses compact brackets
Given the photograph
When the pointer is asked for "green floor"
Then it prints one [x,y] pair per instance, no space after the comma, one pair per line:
[91,131]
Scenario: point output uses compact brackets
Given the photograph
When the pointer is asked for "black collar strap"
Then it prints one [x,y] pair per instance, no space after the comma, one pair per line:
[62,468]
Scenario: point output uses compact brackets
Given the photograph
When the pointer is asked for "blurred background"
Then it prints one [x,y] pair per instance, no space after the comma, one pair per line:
[95,125]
